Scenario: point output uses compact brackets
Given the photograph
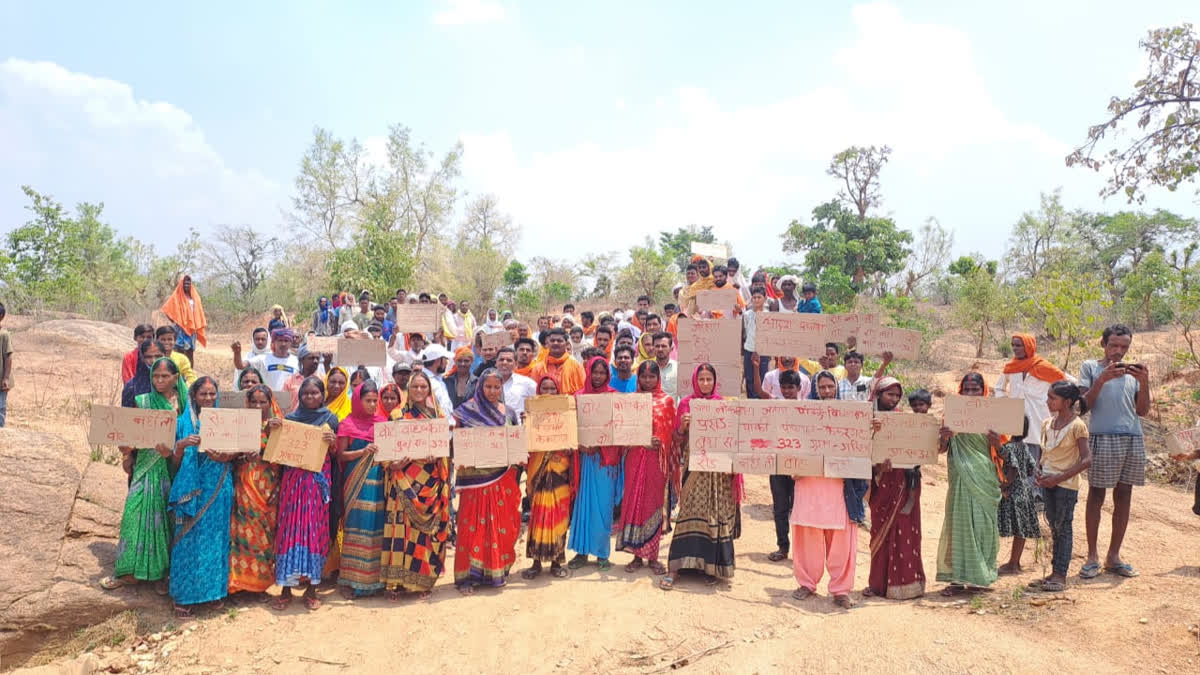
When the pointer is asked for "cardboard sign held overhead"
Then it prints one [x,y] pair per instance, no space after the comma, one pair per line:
[232,400]
[715,251]
[715,341]
[551,423]
[722,300]
[908,439]
[354,353]
[979,414]
[497,340]
[226,430]
[299,445]
[902,343]
[426,318]
[132,427]
[322,344]
[801,335]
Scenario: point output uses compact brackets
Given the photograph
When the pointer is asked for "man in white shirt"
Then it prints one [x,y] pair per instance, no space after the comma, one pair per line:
[433,361]
[668,370]
[855,386]
[281,364]
[517,388]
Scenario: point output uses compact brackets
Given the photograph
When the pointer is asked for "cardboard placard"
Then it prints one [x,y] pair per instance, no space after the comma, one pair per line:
[633,419]
[499,339]
[759,465]
[354,353]
[481,447]
[551,423]
[716,462]
[902,343]
[714,425]
[715,341]
[594,419]
[132,427]
[801,465]
[1183,442]
[517,441]
[722,300]
[399,440]
[230,430]
[716,251]
[980,414]
[323,344]
[802,335]
[232,400]
[285,399]
[300,445]
[908,439]
[418,318]
[844,326]
[848,467]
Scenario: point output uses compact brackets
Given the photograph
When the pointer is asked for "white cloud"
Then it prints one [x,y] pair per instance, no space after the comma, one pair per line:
[84,138]
[748,170]
[460,12]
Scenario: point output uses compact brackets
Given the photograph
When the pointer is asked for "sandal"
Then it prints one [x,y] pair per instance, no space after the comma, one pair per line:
[466,589]
[112,583]
[953,590]
[802,593]
[1089,570]
[577,562]
[711,580]
[162,587]
[1123,570]
[531,573]
[559,572]
[634,566]
[183,612]
[868,593]
[603,564]
[777,556]
[843,601]
[1048,586]
[393,596]
[281,603]
[667,583]
[658,568]
[312,602]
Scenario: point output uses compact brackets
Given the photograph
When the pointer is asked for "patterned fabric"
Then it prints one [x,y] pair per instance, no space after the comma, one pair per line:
[201,500]
[549,490]
[1017,516]
[252,527]
[1116,459]
[646,471]
[418,524]
[302,540]
[896,569]
[489,522]
[362,527]
[970,539]
[143,549]
[708,522]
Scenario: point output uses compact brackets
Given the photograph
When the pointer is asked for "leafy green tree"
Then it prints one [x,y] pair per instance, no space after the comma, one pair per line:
[1146,289]
[1071,307]
[515,276]
[1117,243]
[649,272]
[375,260]
[965,265]
[864,249]
[677,245]
[1041,239]
[983,305]
[857,169]
[1156,129]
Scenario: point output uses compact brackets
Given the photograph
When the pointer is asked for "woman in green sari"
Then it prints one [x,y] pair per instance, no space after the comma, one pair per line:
[145,539]
[970,536]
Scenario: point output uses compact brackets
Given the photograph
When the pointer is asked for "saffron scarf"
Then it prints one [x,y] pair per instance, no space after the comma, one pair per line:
[187,315]
[399,409]
[1033,364]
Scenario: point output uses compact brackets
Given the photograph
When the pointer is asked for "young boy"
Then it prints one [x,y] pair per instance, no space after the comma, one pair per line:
[811,304]
[791,386]
[920,401]
[143,332]
[856,386]
[6,376]
[166,335]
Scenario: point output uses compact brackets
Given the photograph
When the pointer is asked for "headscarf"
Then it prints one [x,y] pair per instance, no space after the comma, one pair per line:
[538,391]
[156,401]
[882,384]
[507,315]
[341,405]
[323,308]
[1033,364]
[284,334]
[282,315]
[685,405]
[997,460]
[399,409]
[478,411]
[187,315]
[248,369]
[465,350]
[431,402]
[140,382]
[360,423]
[812,393]
[314,416]
[492,325]
[275,411]
[644,354]
[347,326]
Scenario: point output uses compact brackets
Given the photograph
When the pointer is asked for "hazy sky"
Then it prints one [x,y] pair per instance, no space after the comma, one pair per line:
[594,126]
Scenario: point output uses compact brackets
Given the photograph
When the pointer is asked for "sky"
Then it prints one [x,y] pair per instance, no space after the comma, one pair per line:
[594,125]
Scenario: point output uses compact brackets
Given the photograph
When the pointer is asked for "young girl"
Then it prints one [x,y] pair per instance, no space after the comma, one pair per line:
[824,534]
[363,497]
[1065,454]
[1017,517]
[549,490]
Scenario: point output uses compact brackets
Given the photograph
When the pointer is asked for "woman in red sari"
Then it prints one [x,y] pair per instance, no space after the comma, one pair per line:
[646,470]
[489,500]
[895,503]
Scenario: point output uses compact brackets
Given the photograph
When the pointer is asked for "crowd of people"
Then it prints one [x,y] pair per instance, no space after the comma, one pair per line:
[203,526]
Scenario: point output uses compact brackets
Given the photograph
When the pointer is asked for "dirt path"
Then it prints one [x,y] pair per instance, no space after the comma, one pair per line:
[606,622]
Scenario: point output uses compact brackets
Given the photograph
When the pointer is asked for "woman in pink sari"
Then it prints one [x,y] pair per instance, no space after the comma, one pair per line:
[646,469]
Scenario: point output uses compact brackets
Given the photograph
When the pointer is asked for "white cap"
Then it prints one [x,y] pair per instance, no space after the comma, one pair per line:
[434,352]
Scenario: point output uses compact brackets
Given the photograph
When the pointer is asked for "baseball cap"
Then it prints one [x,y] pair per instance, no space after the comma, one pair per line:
[434,352]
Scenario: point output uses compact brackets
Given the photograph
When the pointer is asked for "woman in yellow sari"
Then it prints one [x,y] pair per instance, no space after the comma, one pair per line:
[337,400]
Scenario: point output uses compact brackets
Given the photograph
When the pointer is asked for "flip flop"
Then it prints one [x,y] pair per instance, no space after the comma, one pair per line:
[658,568]
[802,593]
[531,573]
[776,556]
[1089,570]
[577,562]
[603,565]
[1051,587]
[560,572]
[634,566]
[1122,570]
[112,583]
[667,583]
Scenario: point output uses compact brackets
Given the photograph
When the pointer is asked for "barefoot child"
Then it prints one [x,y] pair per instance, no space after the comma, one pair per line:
[1017,515]
[1065,454]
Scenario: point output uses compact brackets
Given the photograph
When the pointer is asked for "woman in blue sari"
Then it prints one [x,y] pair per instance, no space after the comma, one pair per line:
[365,498]
[596,479]
[201,501]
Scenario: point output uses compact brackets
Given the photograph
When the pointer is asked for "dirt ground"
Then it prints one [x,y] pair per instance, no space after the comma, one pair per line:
[619,622]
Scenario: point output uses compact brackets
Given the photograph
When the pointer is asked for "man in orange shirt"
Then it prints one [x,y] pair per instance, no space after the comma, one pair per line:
[559,365]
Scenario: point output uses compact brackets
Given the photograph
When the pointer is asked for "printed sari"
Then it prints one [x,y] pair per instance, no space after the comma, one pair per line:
[970,538]
[646,470]
[302,539]
[549,490]
[364,501]
[252,528]
[897,572]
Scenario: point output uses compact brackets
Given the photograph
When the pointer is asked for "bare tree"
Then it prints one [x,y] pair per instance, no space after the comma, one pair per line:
[240,255]
[484,225]
[1038,238]
[419,191]
[930,255]
[858,169]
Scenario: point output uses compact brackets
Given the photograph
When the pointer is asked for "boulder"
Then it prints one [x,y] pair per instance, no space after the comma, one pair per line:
[97,337]
[58,539]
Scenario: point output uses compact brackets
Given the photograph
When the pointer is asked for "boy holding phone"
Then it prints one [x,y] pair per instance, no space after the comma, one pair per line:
[1118,394]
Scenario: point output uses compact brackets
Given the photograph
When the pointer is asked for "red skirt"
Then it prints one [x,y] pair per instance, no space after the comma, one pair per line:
[488,523]
[896,569]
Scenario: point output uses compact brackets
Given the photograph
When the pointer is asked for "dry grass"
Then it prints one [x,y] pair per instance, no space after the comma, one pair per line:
[118,630]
